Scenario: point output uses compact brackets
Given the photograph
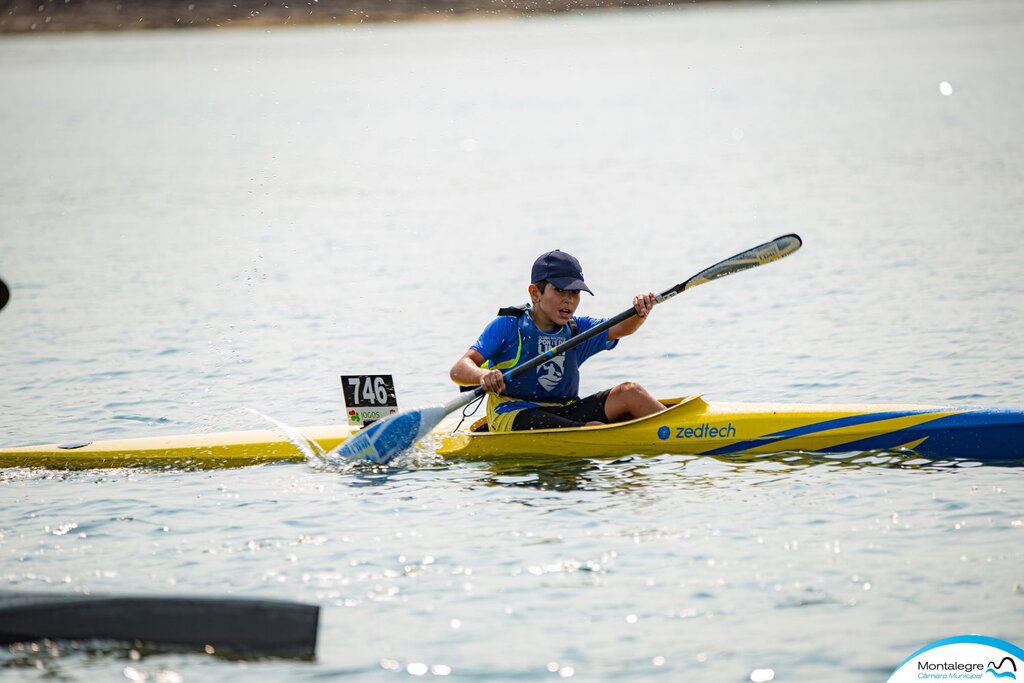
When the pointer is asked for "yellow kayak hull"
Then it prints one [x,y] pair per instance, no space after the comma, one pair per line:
[689,426]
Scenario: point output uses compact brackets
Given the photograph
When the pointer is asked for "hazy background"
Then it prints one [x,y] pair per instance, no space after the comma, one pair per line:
[194,222]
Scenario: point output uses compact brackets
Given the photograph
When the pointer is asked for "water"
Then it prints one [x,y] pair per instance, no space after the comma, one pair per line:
[197,222]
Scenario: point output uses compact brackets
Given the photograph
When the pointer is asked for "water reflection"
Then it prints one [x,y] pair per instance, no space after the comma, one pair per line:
[636,472]
[551,474]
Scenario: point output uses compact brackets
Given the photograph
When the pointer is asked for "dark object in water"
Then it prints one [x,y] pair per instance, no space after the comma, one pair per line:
[5,294]
[242,626]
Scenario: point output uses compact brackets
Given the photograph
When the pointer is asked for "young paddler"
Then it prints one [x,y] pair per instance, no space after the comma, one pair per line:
[548,397]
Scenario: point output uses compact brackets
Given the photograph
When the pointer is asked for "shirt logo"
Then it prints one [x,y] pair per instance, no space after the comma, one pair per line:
[550,373]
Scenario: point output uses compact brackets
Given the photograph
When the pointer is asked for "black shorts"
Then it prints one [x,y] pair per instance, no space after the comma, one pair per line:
[576,414]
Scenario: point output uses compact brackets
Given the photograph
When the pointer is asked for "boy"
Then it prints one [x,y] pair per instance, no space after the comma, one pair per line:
[548,396]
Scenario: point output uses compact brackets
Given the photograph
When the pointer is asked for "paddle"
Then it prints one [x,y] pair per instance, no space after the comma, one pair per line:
[383,440]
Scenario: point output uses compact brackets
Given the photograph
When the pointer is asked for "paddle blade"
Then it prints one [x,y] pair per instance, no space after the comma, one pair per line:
[758,256]
[382,441]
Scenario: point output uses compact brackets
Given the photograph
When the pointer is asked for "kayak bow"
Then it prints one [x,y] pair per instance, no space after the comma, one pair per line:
[222,449]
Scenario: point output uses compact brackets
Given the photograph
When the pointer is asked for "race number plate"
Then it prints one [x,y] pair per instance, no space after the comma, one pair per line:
[368,398]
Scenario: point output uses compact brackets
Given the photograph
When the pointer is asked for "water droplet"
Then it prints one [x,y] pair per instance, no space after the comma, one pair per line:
[63,529]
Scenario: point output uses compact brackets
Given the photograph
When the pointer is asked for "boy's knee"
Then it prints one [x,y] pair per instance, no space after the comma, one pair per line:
[628,388]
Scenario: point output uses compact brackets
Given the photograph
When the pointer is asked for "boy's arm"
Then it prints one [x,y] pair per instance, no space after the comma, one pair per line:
[643,303]
[467,372]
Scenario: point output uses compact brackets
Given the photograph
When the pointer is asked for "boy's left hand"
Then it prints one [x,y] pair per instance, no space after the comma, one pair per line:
[643,303]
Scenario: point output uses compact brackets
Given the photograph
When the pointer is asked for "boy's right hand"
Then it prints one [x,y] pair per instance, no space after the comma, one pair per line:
[493,381]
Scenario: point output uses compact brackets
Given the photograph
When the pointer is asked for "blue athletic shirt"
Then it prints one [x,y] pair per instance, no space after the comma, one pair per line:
[508,341]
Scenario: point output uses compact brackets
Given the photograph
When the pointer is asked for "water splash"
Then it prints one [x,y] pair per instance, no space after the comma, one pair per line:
[422,456]
[314,454]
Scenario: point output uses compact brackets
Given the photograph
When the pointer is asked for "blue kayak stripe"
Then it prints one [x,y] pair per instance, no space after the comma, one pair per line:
[881,441]
[985,434]
[803,430]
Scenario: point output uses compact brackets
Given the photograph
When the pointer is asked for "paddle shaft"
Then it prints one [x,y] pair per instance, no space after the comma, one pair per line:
[759,255]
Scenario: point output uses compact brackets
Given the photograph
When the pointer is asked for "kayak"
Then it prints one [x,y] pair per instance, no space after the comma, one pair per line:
[693,426]
[689,426]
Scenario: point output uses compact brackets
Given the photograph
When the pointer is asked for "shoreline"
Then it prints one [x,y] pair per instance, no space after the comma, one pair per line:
[56,16]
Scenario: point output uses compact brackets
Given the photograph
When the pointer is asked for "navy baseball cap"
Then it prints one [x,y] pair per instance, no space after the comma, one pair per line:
[560,269]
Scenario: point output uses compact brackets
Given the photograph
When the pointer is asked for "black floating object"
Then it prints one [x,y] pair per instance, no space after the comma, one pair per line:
[5,294]
[238,626]
[72,445]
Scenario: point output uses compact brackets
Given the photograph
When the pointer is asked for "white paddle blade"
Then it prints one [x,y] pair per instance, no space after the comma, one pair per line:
[760,255]
[382,441]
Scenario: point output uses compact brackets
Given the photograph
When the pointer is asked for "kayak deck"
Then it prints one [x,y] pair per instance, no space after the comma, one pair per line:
[690,426]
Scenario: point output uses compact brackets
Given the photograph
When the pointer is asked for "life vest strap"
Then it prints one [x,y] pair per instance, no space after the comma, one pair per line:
[514,311]
[518,311]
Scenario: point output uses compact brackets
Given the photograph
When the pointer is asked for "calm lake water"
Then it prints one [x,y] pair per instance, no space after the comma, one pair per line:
[197,222]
